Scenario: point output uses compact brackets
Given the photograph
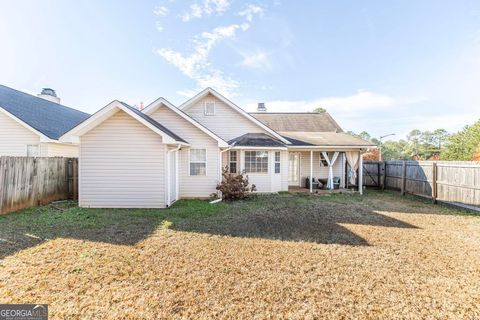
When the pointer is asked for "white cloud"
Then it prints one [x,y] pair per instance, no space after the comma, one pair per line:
[250,11]
[362,100]
[197,65]
[161,11]
[159,26]
[257,60]
[203,8]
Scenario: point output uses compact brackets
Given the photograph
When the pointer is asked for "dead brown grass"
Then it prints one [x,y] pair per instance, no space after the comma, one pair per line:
[418,262]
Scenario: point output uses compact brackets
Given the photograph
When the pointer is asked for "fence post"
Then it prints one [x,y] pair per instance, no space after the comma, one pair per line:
[2,180]
[404,176]
[379,176]
[384,176]
[75,179]
[434,183]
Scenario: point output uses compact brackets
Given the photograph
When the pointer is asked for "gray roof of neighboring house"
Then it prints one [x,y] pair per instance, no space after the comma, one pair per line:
[256,140]
[340,139]
[301,121]
[154,123]
[47,117]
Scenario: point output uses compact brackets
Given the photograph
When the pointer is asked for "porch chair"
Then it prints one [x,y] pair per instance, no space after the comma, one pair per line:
[336,182]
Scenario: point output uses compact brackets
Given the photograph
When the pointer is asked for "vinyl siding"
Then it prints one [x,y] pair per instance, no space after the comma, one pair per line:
[192,186]
[271,181]
[122,164]
[319,172]
[14,138]
[226,123]
[61,150]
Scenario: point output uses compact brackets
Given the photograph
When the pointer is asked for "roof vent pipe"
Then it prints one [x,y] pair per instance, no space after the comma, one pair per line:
[261,107]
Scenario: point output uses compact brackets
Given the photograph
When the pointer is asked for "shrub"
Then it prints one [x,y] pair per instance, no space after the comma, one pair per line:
[234,186]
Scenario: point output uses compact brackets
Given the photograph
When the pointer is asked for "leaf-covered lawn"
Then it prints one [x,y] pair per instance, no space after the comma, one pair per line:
[278,256]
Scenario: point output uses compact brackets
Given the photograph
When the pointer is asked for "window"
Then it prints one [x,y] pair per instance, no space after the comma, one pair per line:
[233,162]
[32,150]
[277,162]
[209,108]
[256,161]
[198,162]
[323,161]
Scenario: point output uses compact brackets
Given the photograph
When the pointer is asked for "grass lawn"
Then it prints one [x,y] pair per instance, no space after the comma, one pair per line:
[280,256]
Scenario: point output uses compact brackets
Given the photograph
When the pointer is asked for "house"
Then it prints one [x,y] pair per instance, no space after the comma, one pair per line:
[31,126]
[151,158]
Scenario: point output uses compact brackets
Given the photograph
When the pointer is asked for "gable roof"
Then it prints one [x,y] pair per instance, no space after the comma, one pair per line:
[301,121]
[47,118]
[110,109]
[189,103]
[153,122]
[256,140]
[152,107]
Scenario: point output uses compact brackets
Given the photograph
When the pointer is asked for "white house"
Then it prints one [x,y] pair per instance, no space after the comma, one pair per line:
[31,126]
[151,158]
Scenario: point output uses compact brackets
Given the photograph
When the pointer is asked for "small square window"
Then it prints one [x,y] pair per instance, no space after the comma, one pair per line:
[209,108]
[198,162]
[32,150]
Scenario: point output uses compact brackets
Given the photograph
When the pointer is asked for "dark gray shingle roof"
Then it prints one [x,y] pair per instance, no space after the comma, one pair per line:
[339,139]
[49,118]
[256,140]
[301,121]
[154,123]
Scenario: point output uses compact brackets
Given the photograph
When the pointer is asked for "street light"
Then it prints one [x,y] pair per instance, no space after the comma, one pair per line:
[381,137]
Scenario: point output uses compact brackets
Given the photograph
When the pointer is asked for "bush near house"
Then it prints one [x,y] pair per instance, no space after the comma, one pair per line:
[234,186]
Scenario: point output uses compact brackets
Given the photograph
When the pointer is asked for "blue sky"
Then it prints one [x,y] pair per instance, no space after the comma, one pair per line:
[379,66]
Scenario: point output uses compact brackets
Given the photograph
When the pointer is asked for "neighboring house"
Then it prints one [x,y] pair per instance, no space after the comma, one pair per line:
[150,158]
[31,126]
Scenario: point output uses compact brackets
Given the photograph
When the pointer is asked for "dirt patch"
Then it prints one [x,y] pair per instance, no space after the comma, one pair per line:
[297,257]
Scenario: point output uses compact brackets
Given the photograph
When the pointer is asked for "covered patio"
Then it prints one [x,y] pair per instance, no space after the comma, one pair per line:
[319,170]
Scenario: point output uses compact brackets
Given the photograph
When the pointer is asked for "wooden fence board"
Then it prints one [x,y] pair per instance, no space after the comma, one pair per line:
[28,181]
[454,181]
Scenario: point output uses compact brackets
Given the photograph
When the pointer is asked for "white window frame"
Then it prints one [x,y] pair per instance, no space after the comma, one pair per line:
[277,162]
[245,162]
[205,108]
[189,162]
[32,145]
[237,155]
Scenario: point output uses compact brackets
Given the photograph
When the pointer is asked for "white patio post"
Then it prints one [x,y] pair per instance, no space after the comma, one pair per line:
[311,170]
[360,173]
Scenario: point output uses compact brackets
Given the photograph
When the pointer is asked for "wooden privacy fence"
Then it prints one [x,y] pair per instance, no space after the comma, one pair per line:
[27,181]
[455,182]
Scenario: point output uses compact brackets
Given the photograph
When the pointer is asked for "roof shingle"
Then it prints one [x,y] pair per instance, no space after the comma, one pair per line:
[256,140]
[304,121]
[47,117]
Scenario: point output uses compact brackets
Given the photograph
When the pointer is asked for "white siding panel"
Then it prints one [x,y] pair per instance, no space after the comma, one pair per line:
[226,123]
[122,165]
[319,172]
[192,186]
[14,138]
[62,150]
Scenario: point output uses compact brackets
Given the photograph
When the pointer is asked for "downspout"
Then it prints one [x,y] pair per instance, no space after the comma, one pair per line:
[169,179]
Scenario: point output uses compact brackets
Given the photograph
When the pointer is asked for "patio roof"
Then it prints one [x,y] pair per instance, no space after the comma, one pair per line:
[325,139]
